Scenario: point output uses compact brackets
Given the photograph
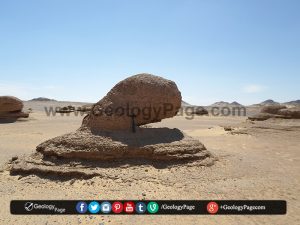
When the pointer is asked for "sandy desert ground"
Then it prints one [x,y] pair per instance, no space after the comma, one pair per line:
[255,161]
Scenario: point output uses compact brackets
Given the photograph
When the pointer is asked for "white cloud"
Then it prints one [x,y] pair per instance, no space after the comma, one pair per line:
[254,88]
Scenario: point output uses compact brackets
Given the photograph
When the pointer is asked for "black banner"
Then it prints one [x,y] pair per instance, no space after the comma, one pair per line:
[148,207]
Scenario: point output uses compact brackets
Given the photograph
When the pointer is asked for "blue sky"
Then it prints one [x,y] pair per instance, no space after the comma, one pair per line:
[245,51]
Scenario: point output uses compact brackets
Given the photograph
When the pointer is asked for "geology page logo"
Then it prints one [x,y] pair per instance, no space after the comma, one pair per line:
[28,206]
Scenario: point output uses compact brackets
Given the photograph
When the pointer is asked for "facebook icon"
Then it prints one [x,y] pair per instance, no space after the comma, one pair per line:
[140,207]
[81,207]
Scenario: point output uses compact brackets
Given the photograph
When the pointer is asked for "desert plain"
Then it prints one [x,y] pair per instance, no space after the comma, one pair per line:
[255,160]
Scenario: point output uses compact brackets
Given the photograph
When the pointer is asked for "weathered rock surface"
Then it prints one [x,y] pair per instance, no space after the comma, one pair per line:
[264,116]
[62,168]
[276,111]
[10,104]
[146,97]
[146,143]
[86,154]
[272,109]
[65,109]
[293,113]
[11,109]
[85,108]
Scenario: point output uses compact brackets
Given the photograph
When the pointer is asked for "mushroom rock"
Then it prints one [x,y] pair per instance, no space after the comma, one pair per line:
[11,108]
[110,137]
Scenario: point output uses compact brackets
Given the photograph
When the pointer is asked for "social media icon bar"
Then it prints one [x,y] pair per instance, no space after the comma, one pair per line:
[152,207]
[81,207]
[140,207]
[94,207]
[129,207]
[117,207]
[146,207]
[106,207]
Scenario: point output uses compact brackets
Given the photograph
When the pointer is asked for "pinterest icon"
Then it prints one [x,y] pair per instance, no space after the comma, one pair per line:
[117,207]
[212,207]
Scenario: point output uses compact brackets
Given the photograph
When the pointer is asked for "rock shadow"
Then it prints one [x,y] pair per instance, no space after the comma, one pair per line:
[143,136]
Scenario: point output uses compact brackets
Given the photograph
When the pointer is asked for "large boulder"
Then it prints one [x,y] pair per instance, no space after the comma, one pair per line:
[293,113]
[139,99]
[199,111]
[11,109]
[10,104]
[264,116]
[276,111]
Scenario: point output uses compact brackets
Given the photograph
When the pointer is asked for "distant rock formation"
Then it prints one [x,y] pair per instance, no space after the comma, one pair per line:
[272,109]
[235,104]
[277,111]
[269,102]
[11,109]
[225,104]
[220,104]
[185,104]
[42,99]
[65,109]
[199,111]
[193,109]
[292,103]
[85,108]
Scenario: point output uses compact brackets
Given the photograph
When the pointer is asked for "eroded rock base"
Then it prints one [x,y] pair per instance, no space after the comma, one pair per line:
[86,154]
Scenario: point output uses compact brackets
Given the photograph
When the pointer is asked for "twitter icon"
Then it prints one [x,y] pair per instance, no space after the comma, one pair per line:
[94,207]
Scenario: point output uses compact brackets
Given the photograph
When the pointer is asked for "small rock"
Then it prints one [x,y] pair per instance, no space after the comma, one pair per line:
[227,128]
[14,158]
[72,181]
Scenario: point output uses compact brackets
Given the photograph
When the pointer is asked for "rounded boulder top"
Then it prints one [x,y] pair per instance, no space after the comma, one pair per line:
[10,104]
[137,100]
